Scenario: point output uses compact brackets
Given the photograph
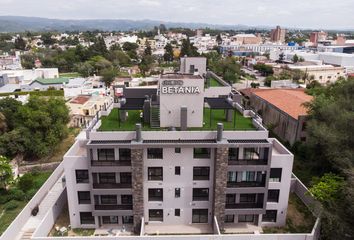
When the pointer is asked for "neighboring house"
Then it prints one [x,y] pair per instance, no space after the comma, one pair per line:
[43,84]
[282,110]
[83,108]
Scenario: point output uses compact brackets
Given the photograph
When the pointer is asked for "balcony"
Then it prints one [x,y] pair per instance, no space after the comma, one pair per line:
[243,205]
[110,163]
[113,207]
[245,184]
[234,162]
[112,185]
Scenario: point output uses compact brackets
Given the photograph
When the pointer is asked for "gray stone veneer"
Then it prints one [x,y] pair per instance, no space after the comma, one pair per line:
[220,184]
[138,191]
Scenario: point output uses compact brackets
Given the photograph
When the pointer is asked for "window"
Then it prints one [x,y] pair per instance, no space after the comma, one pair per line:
[126,199]
[128,219]
[156,215]
[177,192]
[82,176]
[247,198]
[155,174]
[251,153]
[177,170]
[200,194]
[248,176]
[110,220]
[109,199]
[273,195]
[201,173]
[126,178]
[229,218]
[107,177]
[124,154]
[156,194]
[177,150]
[87,218]
[270,216]
[201,153]
[84,197]
[105,154]
[200,216]
[230,198]
[232,177]
[245,218]
[154,153]
[177,212]
[275,175]
[233,154]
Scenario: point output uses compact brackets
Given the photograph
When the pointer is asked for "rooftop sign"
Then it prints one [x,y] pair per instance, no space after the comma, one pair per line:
[176,87]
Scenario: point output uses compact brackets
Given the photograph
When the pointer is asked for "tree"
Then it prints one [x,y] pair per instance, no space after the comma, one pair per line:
[281,58]
[20,43]
[295,58]
[99,48]
[148,50]
[329,145]
[168,56]
[47,39]
[5,172]
[3,124]
[85,69]
[9,107]
[108,75]
[219,39]
[119,59]
[266,70]
[188,49]
[146,64]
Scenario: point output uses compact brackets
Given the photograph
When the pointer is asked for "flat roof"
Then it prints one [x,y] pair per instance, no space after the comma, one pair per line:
[218,103]
[180,76]
[80,99]
[289,101]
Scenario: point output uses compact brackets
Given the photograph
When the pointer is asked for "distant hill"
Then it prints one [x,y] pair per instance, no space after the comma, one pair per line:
[22,24]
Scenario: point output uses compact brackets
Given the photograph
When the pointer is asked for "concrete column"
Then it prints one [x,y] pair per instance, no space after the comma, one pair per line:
[138,188]
[220,184]
[229,115]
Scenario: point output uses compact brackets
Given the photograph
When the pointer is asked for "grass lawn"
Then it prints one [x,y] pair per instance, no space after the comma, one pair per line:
[218,116]
[70,75]
[299,219]
[110,123]
[8,215]
[214,83]
[61,148]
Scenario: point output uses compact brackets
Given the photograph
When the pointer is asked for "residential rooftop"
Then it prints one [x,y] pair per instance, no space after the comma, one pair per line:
[290,101]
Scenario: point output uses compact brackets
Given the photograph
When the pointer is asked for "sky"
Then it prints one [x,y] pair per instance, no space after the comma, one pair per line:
[319,14]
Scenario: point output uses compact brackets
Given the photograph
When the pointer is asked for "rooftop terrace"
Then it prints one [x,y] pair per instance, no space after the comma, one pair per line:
[211,119]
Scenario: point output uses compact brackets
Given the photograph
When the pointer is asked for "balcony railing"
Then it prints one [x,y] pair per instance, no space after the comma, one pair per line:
[234,162]
[245,184]
[243,205]
[112,185]
[113,207]
[110,163]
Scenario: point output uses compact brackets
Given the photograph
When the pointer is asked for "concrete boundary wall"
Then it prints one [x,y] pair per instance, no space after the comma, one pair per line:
[12,231]
[51,216]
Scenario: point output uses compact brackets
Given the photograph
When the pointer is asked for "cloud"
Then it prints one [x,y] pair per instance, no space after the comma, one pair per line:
[149,3]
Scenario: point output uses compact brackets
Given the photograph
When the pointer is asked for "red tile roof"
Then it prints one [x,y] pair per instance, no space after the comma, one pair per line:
[80,99]
[289,101]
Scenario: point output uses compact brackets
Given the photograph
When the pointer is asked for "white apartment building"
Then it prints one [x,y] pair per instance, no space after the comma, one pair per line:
[170,156]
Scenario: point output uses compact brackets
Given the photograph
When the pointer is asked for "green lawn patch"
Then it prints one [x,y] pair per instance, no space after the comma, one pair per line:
[12,201]
[111,123]
[70,75]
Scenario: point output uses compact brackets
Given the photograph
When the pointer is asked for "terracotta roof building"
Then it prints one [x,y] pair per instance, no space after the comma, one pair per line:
[282,110]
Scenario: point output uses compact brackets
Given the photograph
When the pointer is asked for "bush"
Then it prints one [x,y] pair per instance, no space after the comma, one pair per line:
[11,205]
[15,194]
[30,193]
[26,182]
